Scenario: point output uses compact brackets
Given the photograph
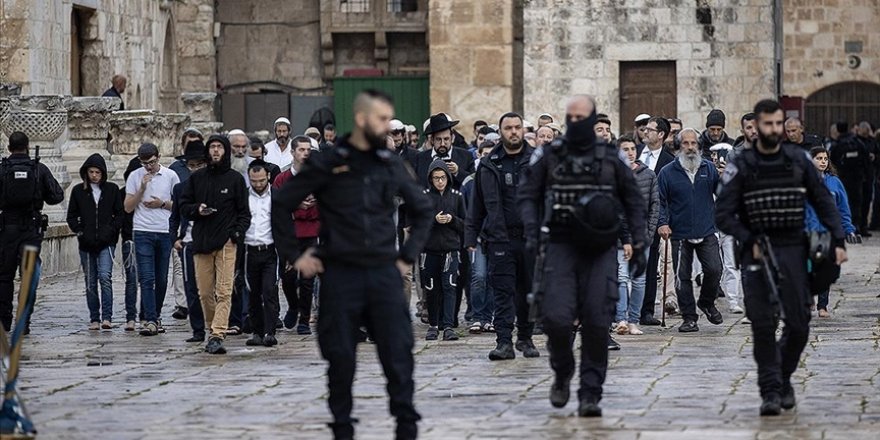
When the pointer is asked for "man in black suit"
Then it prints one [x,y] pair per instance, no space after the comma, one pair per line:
[459,160]
[655,157]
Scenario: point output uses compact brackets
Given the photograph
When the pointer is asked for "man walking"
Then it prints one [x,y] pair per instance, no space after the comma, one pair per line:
[261,259]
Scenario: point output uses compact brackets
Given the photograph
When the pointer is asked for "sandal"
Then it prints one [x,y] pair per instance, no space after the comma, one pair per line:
[488,328]
[475,328]
[633,329]
[622,328]
[233,331]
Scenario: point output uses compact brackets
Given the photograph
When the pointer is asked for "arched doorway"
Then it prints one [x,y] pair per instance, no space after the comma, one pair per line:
[851,101]
[169,95]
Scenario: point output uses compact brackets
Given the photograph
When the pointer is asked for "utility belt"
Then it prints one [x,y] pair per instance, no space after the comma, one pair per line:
[34,220]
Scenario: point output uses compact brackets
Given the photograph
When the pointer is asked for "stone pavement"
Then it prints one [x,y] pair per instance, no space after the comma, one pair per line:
[79,384]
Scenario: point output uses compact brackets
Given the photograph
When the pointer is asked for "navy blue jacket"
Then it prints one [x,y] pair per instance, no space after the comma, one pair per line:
[688,208]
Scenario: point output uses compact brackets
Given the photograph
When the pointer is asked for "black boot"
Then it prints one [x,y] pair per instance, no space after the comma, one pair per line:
[560,390]
[502,351]
[406,430]
[771,405]
[589,407]
[527,347]
[787,401]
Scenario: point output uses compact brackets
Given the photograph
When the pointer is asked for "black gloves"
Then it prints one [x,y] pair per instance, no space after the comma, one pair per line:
[854,238]
[638,264]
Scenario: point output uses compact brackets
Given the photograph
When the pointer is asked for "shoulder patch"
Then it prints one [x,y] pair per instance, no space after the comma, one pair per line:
[729,173]
[536,155]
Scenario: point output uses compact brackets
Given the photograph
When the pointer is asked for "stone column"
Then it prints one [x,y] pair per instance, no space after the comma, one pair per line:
[6,90]
[200,108]
[42,118]
[88,126]
[131,128]
[172,127]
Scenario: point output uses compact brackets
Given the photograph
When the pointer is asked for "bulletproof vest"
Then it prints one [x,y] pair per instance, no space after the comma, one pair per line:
[850,150]
[774,194]
[19,185]
[582,194]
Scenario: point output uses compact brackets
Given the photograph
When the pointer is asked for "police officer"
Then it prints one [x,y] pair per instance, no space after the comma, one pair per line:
[576,188]
[762,195]
[495,219]
[25,185]
[355,184]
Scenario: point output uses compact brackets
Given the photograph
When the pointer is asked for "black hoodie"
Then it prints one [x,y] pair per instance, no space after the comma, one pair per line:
[445,237]
[96,225]
[220,187]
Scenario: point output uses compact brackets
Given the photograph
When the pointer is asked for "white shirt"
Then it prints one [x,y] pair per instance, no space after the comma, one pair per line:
[188,237]
[151,219]
[654,157]
[281,158]
[96,192]
[260,231]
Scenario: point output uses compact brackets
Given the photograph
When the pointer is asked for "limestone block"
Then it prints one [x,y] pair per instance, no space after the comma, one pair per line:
[199,106]
[494,67]
[88,127]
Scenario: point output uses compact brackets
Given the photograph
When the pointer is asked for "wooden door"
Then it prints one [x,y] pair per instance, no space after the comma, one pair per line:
[646,87]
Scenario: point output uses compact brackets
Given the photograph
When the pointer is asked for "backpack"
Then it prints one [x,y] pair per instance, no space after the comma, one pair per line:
[19,185]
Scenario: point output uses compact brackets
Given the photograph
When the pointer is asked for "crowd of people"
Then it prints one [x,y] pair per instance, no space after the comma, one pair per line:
[233,219]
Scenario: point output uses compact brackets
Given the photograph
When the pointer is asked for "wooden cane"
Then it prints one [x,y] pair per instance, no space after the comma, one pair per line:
[665,263]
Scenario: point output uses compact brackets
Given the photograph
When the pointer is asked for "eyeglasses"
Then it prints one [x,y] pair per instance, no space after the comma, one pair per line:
[438,178]
[651,129]
[150,163]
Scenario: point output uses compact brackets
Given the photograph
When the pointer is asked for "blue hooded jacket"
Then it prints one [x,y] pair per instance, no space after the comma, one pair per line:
[688,208]
[835,186]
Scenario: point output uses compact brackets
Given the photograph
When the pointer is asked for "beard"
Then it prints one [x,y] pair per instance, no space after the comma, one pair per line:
[375,139]
[512,145]
[239,164]
[690,161]
[769,142]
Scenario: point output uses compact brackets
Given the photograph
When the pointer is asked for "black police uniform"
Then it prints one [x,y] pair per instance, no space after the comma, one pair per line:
[580,268]
[21,220]
[495,219]
[361,285]
[764,194]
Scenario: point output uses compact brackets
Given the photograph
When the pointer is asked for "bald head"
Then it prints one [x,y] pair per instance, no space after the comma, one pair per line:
[794,130]
[579,107]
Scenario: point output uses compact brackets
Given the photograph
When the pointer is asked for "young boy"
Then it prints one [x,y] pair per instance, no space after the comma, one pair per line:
[440,260]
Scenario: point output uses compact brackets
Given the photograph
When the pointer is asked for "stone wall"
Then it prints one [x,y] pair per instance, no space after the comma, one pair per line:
[573,46]
[117,36]
[814,44]
[472,59]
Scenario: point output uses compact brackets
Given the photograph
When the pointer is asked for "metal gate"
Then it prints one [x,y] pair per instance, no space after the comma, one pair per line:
[411,98]
[849,102]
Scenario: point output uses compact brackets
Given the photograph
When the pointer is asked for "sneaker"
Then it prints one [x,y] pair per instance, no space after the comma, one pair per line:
[712,314]
[289,320]
[560,390]
[450,335]
[824,313]
[279,323]
[129,326]
[688,327]
[432,334]
[502,351]
[180,313]
[612,344]
[270,341]
[787,401]
[150,329]
[196,338]
[621,328]
[633,329]
[303,329]
[475,328]
[106,325]
[215,346]
[737,310]
[254,341]
[488,328]
[233,330]
[94,325]
[589,407]
[745,320]
[771,406]
[527,347]
[159,327]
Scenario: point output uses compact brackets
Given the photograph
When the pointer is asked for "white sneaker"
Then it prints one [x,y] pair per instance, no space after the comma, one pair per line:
[745,320]
[736,310]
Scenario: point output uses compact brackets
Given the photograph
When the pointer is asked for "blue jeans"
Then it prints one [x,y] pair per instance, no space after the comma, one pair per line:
[98,268]
[129,267]
[629,306]
[152,251]
[482,297]
[193,304]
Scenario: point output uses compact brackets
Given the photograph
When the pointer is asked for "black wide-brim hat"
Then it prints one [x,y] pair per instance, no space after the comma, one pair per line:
[195,150]
[440,122]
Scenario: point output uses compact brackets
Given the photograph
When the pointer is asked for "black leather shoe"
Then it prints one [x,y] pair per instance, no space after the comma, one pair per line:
[612,344]
[503,351]
[787,401]
[527,347]
[215,346]
[289,319]
[196,338]
[589,407]
[432,334]
[688,327]
[771,406]
[649,320]
[560,391]
[180,313]
[270,341]
[254,341]
[712,314]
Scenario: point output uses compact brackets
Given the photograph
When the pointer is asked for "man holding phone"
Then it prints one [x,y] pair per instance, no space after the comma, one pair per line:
[216,200]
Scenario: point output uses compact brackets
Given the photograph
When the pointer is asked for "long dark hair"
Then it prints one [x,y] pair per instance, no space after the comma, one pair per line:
[815,151]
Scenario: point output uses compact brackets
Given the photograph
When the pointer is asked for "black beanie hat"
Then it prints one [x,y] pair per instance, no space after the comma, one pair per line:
[842,127]
[716,117]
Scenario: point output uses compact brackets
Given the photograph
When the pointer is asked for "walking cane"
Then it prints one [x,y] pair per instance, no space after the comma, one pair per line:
[665,263]
[14,420]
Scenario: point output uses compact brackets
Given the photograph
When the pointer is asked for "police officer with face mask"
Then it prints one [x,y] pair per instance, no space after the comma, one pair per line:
[25,185]
[578,190]
[761,202]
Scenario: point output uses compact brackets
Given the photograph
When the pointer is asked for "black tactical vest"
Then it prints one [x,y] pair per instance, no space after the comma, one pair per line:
[774,193]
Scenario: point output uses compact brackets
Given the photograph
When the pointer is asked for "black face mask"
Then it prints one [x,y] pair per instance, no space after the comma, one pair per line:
[581,133]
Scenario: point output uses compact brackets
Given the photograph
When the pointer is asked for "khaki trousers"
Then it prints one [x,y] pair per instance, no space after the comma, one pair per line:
[215,272]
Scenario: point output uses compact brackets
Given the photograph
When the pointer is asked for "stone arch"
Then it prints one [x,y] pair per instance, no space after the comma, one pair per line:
[169,91]
[849,101]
